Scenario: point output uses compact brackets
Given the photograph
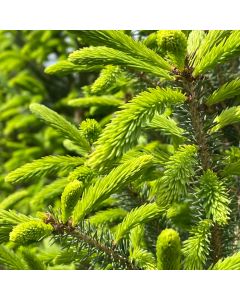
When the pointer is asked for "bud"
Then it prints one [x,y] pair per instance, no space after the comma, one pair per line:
[173,43]
[29,232]
[70,197]
[90,129]
[168,250]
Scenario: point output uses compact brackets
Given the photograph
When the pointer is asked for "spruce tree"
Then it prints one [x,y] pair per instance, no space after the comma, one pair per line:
[126,154]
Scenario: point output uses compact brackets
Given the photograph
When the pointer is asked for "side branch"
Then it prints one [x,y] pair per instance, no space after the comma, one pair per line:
[77,233]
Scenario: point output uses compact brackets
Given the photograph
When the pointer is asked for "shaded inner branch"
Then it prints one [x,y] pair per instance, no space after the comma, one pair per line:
[205,157]
[103,248]
[200,136]
[110,251]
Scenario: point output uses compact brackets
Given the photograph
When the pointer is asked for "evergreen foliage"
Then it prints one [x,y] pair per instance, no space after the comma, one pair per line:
[168,250]
[122,133]
[174,44]
[43,166]
[32,231]
[136,164]
[196,247]
[70,196]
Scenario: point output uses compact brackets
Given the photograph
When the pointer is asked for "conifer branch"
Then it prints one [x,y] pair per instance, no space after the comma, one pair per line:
[109,184]
[42,167]
[13,199]
[197,247]
[229,263]
[106,56]
[212,38]
[123,131]
[33,262]
[227,48]
[65,67]
[167,125]
[160,132]
[135,217]
[227,117]
[204,153]
[105,79]
[232,169]
[117,39]
[49,191]
[96,101]
[215,198]
[10,260]
[179,169]
[85,235]
[56,121]
[14,218]
[226,91]
[143,259]
[198,128]
[107,216]
[195,39]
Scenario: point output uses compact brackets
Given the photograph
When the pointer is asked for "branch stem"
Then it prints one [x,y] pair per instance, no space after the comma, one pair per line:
[110,251]
[195,110]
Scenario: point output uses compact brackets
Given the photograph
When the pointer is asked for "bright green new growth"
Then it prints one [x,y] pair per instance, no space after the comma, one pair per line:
[109,184]
[196,248]
[117,39]
[151,41]
[29,232]
[174,44]
[226,49]
[56,121]
[227,117]
[13,218]
[106,56]
[96,101]
[70,196]
[168,250]
[229,263]
[149,171]
[81,173]
[213,38]
[13,199]
[215,198]
[136,237]
[226,91]
[143,259]
[65,67]
[108,216]
[11,260]
[49,191]
[42,167]
[33,262]
[172,186]
[166,124]
[90,129]
[122,133]
[135,217]
[194,41]
[139,255]
[106,78]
